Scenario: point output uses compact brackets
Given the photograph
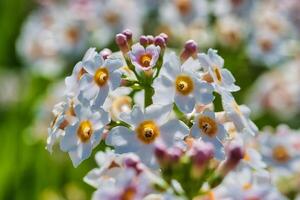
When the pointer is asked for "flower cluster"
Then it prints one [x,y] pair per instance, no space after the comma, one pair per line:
[155,109]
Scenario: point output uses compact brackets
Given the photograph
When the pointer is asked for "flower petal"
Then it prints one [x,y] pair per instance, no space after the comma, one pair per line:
[185,104]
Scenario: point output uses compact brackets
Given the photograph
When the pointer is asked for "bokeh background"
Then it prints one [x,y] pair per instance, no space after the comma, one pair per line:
[40,41]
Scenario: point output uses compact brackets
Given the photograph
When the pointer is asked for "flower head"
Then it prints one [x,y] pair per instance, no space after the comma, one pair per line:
[144,58]
[178,83]
[209,130]
[147,128]
[84,134]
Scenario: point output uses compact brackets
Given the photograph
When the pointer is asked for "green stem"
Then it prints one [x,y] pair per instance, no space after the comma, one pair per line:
[148,95]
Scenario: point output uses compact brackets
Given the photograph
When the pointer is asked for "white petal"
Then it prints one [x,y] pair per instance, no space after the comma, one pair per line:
[85,81]
[191,65]
[115,79]
[82,152]
[113,64]
[102,94]
[90,67]
[70,140]
[164,91]
[185,104]
[173,132]
[158,113]
[134,118]
[203,92]
[215,58]
[209,114]
[123,139]
[219,148]
[195,131]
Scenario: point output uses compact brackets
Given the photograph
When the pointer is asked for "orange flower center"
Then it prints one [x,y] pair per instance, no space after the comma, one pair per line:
[208,126]
[184,84]
[145,60]
[101,76]
[280,154]
[218,74]
[184,6]
[147,131]
[85,131]
[128,194]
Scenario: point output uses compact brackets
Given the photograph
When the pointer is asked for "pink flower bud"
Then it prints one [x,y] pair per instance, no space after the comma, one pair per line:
[150,39]
[165,36]
[144,40]
[160,41]
[201,153]
[190,49]
[121,41]
[128,34]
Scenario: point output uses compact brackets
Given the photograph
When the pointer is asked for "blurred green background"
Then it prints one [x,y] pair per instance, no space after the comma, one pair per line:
[27,170]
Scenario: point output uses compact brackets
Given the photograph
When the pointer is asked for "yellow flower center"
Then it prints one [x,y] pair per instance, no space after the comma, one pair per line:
[247,186]
[218,74]
[184,84]
[145,60]
[247,156]
[208,126]
[112,18]
[85,131]
[101,76]
[280,154]
[147,131]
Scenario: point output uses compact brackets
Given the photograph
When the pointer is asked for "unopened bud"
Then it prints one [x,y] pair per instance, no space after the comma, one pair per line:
[235,155]
[144,40]
[128,34]
[122,43]
[160,41]
[165,36]
[150,39]
[190,50]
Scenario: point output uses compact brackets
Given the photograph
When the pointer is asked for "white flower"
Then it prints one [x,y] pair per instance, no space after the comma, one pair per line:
[144,58]
[111,165]
[127,185]
[221,77]
[246,184]
[84,134]
[72,82]
[279,153]
[209,130]
[147,128]
[102,77]
[178,83]
[239,115]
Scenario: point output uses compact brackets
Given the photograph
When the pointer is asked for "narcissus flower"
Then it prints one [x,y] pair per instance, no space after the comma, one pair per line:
[102,77]
[210,130]
[84,134]
[178,83]
[146,128]
[222,78]
[144,58]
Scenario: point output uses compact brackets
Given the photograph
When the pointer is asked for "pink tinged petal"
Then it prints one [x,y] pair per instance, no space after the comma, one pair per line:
[113,64]
[203,92]
[123,139]
[158,113]
[70,140]
[82,152]
[133,118]
[137,50]
[164,91]
[154,51]
[115,80]
[173,132]
[101,96]
[185,104]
